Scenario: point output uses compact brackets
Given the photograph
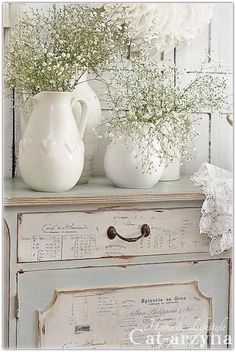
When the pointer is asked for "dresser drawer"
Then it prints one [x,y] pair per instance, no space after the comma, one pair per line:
[98,308]
[84,234]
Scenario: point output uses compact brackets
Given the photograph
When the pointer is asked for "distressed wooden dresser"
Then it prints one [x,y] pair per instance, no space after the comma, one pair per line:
[103,267]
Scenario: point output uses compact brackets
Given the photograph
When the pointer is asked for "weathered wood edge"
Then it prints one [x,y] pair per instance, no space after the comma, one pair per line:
[108,199]
[100,191]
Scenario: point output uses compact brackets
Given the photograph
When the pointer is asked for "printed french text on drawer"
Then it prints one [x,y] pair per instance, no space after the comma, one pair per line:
[126,317]
[80,235]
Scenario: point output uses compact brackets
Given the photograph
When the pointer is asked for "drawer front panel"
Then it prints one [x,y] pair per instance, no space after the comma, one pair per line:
[98,308]
[78,235]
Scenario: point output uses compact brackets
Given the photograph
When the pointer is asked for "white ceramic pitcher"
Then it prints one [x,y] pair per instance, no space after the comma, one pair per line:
[51,152]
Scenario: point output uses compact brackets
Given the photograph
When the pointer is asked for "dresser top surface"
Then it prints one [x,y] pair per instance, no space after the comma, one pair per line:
[100,190]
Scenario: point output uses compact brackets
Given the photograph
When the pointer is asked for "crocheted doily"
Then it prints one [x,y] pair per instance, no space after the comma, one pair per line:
[217,209]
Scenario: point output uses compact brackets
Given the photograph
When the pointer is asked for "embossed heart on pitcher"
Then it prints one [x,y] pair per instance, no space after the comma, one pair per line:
[25,143]
[70,146]
[47,145]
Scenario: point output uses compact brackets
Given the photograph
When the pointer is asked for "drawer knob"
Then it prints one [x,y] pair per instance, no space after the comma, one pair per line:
[112,233]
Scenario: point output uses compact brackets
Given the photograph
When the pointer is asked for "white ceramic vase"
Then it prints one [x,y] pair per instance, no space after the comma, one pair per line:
[51,151]
[84,91]
[172,171]
[122,165]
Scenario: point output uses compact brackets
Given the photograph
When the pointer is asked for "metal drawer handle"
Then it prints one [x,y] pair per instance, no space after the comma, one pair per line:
[112,233]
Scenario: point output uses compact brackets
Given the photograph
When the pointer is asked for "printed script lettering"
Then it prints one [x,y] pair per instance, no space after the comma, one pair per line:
[108,317]
[74,235]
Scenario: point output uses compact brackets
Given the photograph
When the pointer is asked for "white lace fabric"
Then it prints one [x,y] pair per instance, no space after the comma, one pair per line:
[217,209]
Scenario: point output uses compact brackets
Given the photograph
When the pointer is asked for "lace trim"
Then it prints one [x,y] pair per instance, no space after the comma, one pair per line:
[217,209]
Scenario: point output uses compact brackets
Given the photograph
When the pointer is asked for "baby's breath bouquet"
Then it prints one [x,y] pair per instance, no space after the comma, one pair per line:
[150,101]
[51,50]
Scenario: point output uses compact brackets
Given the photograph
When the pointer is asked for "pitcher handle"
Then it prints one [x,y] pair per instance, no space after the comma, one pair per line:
[81,121]
[23,120]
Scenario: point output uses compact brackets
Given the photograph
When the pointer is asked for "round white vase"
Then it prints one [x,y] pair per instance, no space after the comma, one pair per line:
[51,151]
[84,91]
[122,165]
[172,171]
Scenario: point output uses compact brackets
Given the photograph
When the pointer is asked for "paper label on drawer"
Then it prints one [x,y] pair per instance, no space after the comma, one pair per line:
[169,316]
[77,235]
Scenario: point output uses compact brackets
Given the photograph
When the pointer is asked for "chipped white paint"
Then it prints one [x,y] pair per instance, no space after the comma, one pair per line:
[105,318]
[211,277]
[62,236]
[100,191]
